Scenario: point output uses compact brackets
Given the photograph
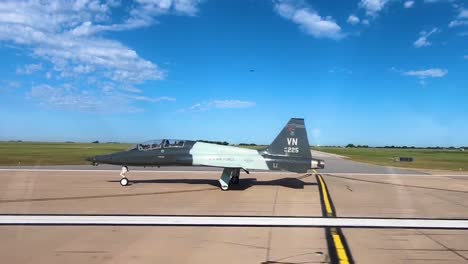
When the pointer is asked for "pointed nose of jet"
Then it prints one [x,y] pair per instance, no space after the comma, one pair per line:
[115,158]
[95,160]
[92,160]
[103,158]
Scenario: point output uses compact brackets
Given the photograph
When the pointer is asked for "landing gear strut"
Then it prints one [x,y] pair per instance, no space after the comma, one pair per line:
[124,180]
[235,176]
[229,176]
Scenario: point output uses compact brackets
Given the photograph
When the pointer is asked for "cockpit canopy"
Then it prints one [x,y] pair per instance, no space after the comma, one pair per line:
[159,143]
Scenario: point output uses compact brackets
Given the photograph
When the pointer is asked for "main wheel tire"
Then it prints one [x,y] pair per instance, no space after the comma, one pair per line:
[235,180]
[124,181]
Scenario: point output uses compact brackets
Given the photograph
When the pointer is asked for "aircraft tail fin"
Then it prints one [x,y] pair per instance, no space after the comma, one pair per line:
[292,140]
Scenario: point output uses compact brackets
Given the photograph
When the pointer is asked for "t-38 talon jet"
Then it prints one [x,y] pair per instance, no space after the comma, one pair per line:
[290,151]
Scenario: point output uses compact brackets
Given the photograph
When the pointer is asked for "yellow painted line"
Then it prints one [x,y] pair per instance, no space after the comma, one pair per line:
[340,250]
[337,238]
[326,198]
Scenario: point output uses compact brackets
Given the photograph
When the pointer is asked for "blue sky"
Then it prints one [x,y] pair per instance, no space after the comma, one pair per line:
[377,72]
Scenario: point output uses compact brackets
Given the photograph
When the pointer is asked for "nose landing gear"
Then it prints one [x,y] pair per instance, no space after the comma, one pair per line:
[124,180]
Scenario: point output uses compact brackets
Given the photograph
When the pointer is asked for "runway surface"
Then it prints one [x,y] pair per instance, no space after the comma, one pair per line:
[368,214]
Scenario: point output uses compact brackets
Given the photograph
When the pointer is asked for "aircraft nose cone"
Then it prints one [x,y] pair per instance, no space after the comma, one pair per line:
[115,158]
[101,158]
[92,160]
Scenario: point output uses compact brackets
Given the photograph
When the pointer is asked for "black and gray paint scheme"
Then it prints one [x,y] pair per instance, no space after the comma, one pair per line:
[289,151]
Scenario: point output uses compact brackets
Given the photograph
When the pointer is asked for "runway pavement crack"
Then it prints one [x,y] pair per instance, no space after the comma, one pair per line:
[101,196]
[443,245]
[270,231]
[395,184]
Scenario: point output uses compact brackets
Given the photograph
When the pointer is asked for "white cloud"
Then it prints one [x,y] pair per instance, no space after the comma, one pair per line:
[47,29]
[373,7]
[408,4]
[232,104]
[423,36]
[9,85]
[309,20]
[220,104]
[132,89]
[142,15]
[155,7]
[463,13]
[340,70]
[429,73]
[438,1]
[462,19]
[456,23]
[66,34]
[71,56]
[151,100]
[353,20]
[465,57]
[29,69]
[68,97]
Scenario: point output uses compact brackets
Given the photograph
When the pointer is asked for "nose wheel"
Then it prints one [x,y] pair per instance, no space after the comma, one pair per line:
[124,180]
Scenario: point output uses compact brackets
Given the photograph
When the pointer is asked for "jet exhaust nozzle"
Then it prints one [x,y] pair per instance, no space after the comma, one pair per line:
[317,164]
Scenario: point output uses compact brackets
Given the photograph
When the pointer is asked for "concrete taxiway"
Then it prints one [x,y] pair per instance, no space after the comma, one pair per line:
[348,191]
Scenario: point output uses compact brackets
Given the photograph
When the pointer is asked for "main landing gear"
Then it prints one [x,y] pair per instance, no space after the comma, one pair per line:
[124,180]
[229,176]
[235,176]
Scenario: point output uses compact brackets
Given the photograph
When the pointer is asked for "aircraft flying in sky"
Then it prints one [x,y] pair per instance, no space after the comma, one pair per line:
[290,151]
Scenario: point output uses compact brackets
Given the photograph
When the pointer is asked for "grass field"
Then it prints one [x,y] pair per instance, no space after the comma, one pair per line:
[32,153]
[424,159]
[258,147]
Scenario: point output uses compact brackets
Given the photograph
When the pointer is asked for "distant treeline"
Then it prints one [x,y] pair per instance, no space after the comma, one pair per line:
[214,142]
[247,144]
[67,142]
[227,143]
[395,147]
[97,142]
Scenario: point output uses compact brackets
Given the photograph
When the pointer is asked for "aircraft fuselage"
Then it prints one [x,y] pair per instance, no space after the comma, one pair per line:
[193,153]
[289,151]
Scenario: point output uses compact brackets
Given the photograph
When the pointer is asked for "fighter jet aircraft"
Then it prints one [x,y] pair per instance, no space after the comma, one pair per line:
[290,151]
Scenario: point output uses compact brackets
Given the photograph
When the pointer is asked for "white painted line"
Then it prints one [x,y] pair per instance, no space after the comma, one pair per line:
[230,221]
